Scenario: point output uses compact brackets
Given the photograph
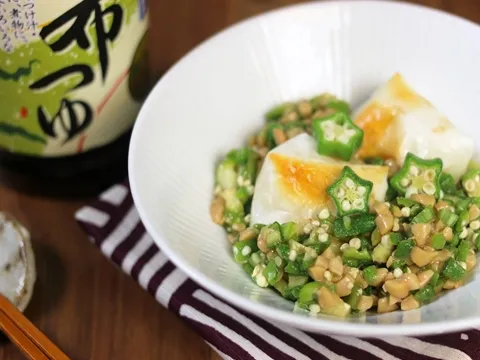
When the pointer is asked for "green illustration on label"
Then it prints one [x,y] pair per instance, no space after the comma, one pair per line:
[56,77]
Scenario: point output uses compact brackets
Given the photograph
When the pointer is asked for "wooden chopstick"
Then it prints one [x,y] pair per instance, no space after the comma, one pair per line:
[21,340]
[25,335]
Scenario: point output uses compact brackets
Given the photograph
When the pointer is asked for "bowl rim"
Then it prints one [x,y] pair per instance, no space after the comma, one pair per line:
[321,325]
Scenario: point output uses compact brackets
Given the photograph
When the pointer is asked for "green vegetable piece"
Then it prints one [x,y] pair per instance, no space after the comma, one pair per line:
[471,182]
[447,183]
[395,238]
[402,264]
[308,258]
[403,249]
[406,202]
[453,270]
[434,280]
[463,250]
[462,204]
[337,136]
[276,112]
[273,273]
[281,287]
[354,296]
[452,199]
[376,237]
[347,222]
[234,211]
[415,210]
[382,252]
[339,105]
[272,235]
[418,176]
[374,161]
[283,250]
[354,263]
[352,253]
[239,156]
[248,268]
[290,231]
[448,217]
[292,293]
[425,294]
[438,241]
[360,224]
[294,268]
[242,250]
[318,240]
[365,244]
[425,216]
[350,193]
[391,193]
[308,293]
[226,174]
[270,139]
[256,258]
[242,194]
[294,281]
[369,290]
[462,221]
[370,274]
[439,285]
[249,170]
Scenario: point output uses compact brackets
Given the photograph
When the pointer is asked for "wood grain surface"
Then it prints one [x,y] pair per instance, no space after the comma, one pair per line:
[83,303]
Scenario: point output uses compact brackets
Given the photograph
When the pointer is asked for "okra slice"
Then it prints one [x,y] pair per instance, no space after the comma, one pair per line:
[471,182]
[226,174]
[242,250]
[425,216]
[447,184]
[425,294]
[438,241]
[337,136]
[382,251]
[290,231]
[350,193]
[308,292]
[350,226]
[272,272]
[454,270]
[449,218]
[403,249]
[418,176]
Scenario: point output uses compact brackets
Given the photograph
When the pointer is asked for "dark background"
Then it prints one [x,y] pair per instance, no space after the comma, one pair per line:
[83,303]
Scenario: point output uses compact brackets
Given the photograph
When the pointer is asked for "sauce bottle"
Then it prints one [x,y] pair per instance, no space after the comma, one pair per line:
[73,75]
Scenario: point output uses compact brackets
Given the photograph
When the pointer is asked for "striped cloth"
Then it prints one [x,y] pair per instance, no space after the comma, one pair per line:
[113,224]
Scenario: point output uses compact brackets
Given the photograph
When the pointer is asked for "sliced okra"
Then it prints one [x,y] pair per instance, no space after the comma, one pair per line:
[350,193]
[418,176]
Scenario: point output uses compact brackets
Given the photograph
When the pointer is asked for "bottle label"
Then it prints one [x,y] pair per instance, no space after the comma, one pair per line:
[72,73]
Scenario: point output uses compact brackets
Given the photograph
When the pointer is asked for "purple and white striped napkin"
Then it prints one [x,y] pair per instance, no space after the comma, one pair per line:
[113,224]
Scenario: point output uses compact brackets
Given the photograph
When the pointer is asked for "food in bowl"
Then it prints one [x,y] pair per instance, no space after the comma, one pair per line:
[344,213]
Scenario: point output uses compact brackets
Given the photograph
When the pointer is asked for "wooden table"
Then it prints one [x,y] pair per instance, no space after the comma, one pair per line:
[83,303]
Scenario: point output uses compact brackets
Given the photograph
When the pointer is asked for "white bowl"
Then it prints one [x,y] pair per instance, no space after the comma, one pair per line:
[213,98]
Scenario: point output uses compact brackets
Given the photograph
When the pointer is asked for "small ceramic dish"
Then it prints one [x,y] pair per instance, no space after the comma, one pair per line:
[17,262]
